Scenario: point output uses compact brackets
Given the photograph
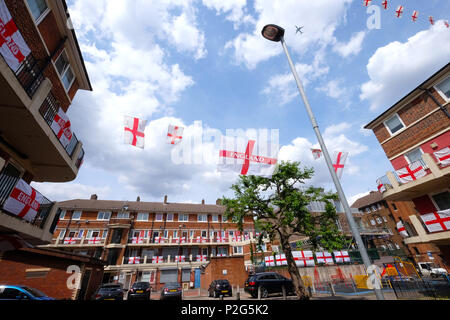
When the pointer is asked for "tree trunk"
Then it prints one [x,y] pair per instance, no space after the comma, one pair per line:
[297,280]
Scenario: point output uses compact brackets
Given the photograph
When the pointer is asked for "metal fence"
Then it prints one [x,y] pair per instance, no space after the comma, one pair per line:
[30,74]
[420,289]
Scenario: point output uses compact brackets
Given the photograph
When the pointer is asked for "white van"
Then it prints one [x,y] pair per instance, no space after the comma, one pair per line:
[430,269]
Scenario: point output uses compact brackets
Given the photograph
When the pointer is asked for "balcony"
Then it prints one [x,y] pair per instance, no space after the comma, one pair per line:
[170,241]
[437,177]
[27,108]
[165,260]
[36,231]
[78,242]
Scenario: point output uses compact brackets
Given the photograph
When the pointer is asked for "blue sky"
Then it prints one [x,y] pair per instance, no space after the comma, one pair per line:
[174,61]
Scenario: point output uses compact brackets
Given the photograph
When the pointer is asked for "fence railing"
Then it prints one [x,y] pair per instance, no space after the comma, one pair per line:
[30,74]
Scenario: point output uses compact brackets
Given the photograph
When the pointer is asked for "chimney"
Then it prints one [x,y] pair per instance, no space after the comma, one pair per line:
[219,202]
[138,199]
[165,199]
[203,201]
[94,197]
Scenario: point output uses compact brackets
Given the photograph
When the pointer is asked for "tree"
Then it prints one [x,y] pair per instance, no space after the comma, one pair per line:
[279,208]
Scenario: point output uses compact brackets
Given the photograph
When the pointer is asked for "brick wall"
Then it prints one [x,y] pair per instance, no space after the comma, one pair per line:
[234,267]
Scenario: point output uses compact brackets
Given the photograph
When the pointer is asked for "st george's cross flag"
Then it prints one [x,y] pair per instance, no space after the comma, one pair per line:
[174,134]
[339,162]
[24,201]
[411,172]
[61,127]
[303,258]
[324,257]
[401,229]
[269,261]
[380,186]
[415,15]
[134,131]
[399,12]
[248,157]
[385,4]
[443,156]
[13,47]
[317,153]
[366,3]
[437,220]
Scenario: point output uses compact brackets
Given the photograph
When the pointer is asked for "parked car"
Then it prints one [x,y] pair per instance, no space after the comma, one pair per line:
[21,293]
[220,287]
[269,282]
[140,291]
[431,269]
[171,290]
[109,291]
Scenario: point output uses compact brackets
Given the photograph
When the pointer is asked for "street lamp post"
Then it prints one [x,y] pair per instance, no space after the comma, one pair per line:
[275,33]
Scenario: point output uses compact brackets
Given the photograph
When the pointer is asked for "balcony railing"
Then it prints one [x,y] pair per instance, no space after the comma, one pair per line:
[386,183]
[80,159]
[7,185]
[30,74]
[164,260]
[48,110]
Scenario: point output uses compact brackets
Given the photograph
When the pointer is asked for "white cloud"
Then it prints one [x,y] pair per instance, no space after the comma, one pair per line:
[336,128]
[352,199]
[397,68]
[320,18]
[333,89]
[236,10]
[70,190]
[354,45]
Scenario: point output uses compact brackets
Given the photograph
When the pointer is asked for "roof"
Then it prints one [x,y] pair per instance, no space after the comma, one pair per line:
[140,206]
[399,103]
[371,198]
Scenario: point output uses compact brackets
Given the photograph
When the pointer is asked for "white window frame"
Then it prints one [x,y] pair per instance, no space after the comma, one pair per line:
[166,234]
[372,222]
[224,218]
[407,158]
[62,233]
[204,233]
[430,195]
[389,130]
[91,231]
[79,218]
[397,246]
[191,234]
[175,234]
[104,233]
[385,219]
[216,216]
[62,215]
[185,217]
[127,215]
[238,250]
[61,76]
[142,214]
[156,217]
[103,215]
[38,20]
[171,217]
[379,221]
[447,99]
[202,215]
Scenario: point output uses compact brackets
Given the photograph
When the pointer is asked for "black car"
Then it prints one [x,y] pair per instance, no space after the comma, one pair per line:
[269,282]
[140,291]
[171,290]
[220,287]
[110,291]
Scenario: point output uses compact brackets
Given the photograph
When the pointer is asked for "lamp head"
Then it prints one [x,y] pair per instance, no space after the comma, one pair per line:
[273,32]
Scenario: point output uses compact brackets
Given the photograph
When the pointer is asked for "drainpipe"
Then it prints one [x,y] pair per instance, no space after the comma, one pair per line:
[435,101]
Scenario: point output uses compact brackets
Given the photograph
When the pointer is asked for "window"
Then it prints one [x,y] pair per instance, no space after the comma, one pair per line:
[237,250]
[62,214]
[183,217]
[38,8]
[384,218]
[389,231]
[397,246]
[80,233]
[64,70]
[104,216]
[169,217]
[379,221]
[372,222]
[191,234]
[204,233]
[76,215]
[159,217]
[416,250]
[166,234]
[230,234]
[368,210]
[394,206]
[224,218]
[123,215]
[390,246]
[374,208]
[444,88]
[62,233]
[215,218]
[262,247]
[105,233]
[222,250]
[442,200]
[414,155]
[202,218]
[175,234]
[142,216]
[394,124]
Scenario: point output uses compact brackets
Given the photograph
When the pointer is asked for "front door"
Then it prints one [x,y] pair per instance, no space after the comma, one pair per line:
[197,278]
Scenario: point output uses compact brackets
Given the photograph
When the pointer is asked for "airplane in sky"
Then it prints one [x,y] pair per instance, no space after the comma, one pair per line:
[299,29]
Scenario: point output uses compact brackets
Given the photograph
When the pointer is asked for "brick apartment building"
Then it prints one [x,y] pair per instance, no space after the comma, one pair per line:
[41,70]
[157,242]
[378,211]
[415,135]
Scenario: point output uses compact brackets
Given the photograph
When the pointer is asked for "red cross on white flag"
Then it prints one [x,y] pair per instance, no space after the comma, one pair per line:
[324,257]
[411,172]
[157,259]
[443,156]
[13,47]
[201,258]
[134,260]
[341,256]
[281,260]
[94,240]
[401,229]
[61,127]
[317,153]
[437,221]
[366,3]
[339,162]
[180,259]
[399,11]
[415,15]
[269,261]
[174,134]
[431,20]
[303,258]
[69,240]
[134,131]
[139,239]
[447,24]
[384,4]
[248,157]
[24,201]
[380,185]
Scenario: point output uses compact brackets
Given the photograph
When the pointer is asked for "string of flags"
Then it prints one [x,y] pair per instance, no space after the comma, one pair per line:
[401,10]
[306,258]
[339,160]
